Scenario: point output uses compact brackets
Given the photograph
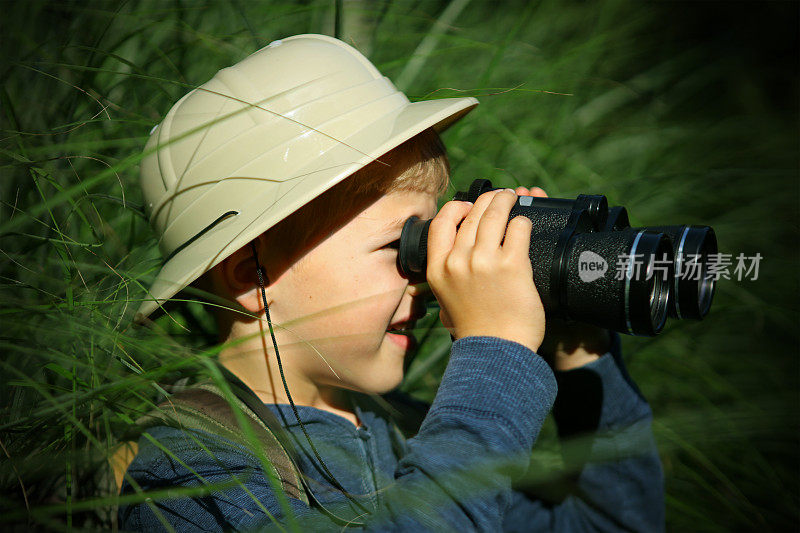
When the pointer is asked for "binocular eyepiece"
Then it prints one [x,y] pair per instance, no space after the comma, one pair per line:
[591,266]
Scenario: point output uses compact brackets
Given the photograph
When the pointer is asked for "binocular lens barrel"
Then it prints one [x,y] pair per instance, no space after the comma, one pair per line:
[693,286]
[620,280]
[692,246]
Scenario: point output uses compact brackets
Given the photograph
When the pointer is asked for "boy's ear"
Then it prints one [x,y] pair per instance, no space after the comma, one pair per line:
[239,277]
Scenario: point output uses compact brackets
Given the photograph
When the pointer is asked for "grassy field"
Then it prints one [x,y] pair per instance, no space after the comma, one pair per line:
[682,112]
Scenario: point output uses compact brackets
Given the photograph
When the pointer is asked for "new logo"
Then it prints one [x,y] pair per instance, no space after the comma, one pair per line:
[591,266]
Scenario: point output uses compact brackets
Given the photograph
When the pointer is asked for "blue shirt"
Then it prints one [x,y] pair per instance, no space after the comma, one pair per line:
[455,474]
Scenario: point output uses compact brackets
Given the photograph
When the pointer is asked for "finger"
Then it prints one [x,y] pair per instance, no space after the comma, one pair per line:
[518,236]
[442,231]
[533,191]
[465,240]
[494,221]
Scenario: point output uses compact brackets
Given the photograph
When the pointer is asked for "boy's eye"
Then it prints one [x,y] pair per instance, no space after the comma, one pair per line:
[394,244]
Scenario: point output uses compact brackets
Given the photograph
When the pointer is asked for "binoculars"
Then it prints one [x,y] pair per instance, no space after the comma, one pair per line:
[590,265]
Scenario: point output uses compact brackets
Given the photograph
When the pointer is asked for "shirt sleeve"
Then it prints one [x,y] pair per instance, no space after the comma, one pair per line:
[456,474]
[604,423]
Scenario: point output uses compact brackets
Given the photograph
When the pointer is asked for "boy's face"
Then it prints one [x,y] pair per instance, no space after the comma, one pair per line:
[345,295]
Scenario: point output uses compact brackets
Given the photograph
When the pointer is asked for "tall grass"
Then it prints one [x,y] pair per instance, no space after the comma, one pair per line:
[683,113]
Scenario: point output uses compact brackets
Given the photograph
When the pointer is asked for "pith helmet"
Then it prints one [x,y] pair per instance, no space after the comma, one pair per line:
[261,139]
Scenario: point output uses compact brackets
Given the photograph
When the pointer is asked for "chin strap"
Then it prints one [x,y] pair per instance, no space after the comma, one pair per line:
[261,275]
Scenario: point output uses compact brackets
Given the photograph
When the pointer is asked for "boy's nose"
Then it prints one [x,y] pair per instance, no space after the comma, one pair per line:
[420,294]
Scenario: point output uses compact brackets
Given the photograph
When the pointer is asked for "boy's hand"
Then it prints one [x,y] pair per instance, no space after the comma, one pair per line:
[569,345]
[485,287]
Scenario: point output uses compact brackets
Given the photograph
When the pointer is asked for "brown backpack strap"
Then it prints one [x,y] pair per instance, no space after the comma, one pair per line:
[205,407]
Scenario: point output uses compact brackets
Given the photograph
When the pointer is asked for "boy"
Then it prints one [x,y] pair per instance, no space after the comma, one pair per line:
[284,183]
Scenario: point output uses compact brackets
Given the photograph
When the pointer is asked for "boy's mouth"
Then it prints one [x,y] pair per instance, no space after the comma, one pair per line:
[403,328]
[401,335]
[403,339]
